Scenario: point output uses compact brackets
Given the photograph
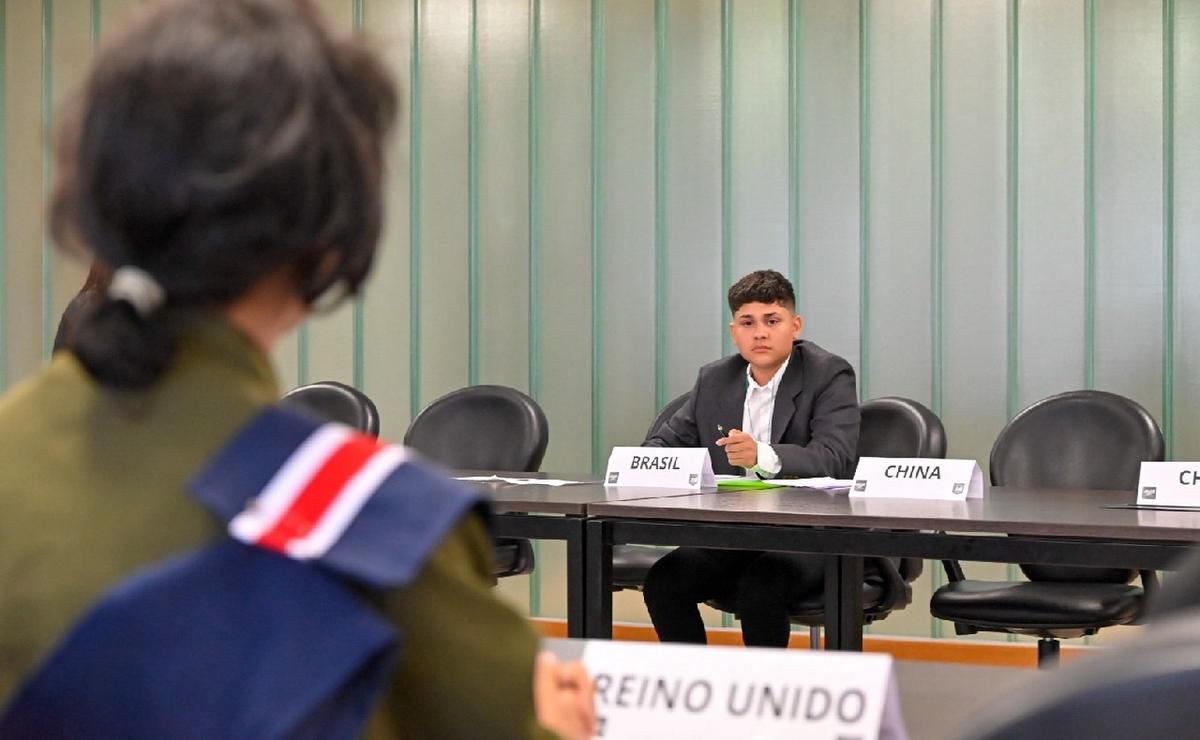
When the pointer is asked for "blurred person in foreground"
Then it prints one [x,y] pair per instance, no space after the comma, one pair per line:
[223,164]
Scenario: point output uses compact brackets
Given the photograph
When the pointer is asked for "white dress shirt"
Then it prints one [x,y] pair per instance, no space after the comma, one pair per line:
[756,420]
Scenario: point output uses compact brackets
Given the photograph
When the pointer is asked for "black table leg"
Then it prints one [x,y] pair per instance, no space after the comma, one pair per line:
[598,579]
[576,572]
[843,602]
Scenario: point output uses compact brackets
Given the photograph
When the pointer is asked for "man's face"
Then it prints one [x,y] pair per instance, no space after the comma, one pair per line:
[764,332]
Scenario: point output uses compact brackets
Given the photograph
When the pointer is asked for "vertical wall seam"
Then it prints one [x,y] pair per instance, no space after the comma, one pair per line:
[473,198]
[414,215]
[5,354]
[726,179]
[535,199]
[1089,195]
[937,225]
[937,229]
[726,160]
[47,173]
[660,202]
[358,21]
[1012,206]
[597,168]
[95,13]
[795,264]
[535,250]
[1168,359]
[864,199]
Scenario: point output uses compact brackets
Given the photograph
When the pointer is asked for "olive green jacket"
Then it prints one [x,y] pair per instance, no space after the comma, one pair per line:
[92,487]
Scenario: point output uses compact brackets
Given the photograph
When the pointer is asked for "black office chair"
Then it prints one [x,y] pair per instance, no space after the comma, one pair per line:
[889,427]
[1144,688]
[486,427]
[1081,439]
[1181,591]
[329,399]
[631,563]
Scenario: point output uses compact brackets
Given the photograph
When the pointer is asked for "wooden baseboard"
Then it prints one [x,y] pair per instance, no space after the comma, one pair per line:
[974,652]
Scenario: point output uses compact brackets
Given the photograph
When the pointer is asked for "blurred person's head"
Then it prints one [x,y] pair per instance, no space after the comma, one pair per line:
[222,151]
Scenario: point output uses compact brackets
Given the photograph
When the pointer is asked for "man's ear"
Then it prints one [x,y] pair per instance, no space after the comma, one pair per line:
[797,326]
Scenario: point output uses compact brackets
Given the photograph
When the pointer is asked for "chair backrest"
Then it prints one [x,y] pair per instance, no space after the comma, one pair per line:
[666,413]
[899,427]
[483,427]
[335,401]
[1145,687]
[1079,439]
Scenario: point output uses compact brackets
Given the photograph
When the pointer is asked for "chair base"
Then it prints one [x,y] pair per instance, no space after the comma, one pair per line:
[1047,652]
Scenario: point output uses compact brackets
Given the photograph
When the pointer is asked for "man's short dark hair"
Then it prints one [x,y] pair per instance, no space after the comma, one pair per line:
[762,286]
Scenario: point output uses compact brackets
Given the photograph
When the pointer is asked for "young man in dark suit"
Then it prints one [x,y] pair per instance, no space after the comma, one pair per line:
[781,407]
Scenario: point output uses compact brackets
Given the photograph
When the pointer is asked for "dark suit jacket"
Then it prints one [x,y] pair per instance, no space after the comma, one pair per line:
[814,428]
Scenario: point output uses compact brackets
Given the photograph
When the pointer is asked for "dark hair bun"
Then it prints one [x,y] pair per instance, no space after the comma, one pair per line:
[119,348]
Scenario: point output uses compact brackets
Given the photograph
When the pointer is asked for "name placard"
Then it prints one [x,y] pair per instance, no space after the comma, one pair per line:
[648,690]
[660,467]
[1169,484]
[914,477]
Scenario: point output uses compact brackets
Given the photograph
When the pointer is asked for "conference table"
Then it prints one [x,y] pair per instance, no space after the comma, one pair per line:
[1043,526]
[555,513]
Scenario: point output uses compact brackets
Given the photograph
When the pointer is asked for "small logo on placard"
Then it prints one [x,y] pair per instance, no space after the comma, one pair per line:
[959,488]
[860,486]
[693,479]
[612,477]
[1149,492]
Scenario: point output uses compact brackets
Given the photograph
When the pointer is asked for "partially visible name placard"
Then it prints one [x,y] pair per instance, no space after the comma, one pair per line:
[655,690]
[913,477]
[660,467]
[1169,484]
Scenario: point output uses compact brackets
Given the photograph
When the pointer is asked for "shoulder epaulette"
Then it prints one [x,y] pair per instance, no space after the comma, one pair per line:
[323,492]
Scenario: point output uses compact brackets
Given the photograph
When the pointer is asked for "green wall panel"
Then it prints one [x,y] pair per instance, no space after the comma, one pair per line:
[565,231]
[628,224]
[828,174]
[760,137]
[900,242]
[1129,201]
[444,276]
[386,301]
[1051,316]
[502,151]
[1184,171]
[691,202]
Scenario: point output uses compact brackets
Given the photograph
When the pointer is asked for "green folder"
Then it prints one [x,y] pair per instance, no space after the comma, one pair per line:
[747,483]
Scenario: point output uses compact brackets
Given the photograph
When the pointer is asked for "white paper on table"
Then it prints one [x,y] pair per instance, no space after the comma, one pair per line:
[523,481]
[826,483]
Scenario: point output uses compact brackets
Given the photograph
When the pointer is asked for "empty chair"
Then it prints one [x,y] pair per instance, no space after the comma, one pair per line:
[335,401]
[1090,440]
[486,427]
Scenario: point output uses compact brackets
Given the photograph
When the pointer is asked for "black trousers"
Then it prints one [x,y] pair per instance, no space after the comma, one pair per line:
[761,584]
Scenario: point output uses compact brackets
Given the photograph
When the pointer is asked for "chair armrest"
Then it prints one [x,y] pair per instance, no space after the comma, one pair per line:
[1149,583]
[954,571]
[895,590]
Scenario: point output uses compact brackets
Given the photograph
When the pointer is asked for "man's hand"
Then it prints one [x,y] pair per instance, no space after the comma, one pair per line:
[740,448]
[564,697]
